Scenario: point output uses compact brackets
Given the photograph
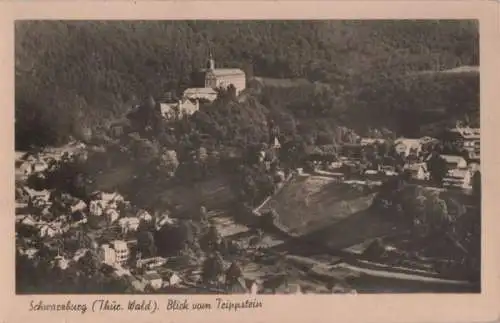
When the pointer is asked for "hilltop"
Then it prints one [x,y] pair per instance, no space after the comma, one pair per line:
[74,77]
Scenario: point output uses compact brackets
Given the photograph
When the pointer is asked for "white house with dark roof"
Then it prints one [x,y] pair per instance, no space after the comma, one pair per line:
[171,278]
[458,178]
[418,171]
[188,105]
[406,146]
[454,161]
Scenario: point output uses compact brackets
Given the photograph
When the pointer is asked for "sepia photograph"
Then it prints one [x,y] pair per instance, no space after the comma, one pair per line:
[247,156]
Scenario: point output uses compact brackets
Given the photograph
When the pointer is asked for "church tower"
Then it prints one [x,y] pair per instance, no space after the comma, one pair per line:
[210,61]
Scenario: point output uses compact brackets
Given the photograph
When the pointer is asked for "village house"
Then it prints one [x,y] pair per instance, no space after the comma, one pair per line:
[428,140]
[371,141]
[129,224]
[171,279]
[39,166]
[454,162]
[112,215]
[458,178]
[144,216]
[176,110]
[48,230]
[150,263]
[95,208]
[30,253]
[26,220]
[107,255]
[153,279]
[388,170]
[107,200]
[464,138]
[24,168]
[163,219]
[408,146]
[417,171]
[122,252]
[36,197]
[61,262]
[78,205]
[373,175]
[137,285]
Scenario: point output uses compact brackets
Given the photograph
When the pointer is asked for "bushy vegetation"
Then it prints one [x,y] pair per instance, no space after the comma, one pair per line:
[74,77]
[442,224]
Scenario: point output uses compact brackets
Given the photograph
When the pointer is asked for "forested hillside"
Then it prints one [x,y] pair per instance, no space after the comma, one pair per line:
[73,77]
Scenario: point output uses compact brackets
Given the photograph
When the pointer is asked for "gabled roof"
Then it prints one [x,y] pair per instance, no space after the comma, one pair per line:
[408,142]
[199,91]
[452,158]
[458,173]
[415,167]
[152,276]
[224,71]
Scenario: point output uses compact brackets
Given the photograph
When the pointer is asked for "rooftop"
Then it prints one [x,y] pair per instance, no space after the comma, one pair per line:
[452,158]
[224,71]
[467,132]
[152,276]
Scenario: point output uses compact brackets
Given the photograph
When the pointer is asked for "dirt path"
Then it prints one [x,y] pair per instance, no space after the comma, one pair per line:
[401,276]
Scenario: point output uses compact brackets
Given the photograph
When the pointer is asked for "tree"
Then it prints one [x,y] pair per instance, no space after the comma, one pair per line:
[168,162]
[476,187]
[88,264]
[233,272]
[202,214]
[145,151]
[212,239]
[437,168]
[212,268]
[146,244]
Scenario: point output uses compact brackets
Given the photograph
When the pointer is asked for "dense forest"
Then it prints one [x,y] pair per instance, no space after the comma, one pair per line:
[73,78]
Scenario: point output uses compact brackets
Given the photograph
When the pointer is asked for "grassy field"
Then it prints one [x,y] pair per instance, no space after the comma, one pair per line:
[213,193]
[307,204]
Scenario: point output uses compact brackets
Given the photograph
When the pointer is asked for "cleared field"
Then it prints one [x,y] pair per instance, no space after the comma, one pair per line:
[213,193]
[307,204]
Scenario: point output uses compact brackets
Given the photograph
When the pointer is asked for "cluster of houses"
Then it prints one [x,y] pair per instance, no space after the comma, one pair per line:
[459,167]
[27,164]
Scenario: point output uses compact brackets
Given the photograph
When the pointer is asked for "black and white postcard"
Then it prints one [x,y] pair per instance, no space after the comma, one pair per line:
[174,161]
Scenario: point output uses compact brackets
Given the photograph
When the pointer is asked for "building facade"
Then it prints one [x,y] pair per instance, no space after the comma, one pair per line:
[458,178]
[466,139]
[107,255]
[408,146]
[212,77]
[176,110]
[121,251]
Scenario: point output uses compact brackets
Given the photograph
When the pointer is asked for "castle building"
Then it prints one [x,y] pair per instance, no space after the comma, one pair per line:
[212,77]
